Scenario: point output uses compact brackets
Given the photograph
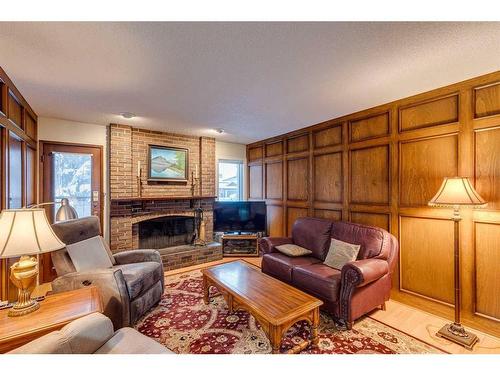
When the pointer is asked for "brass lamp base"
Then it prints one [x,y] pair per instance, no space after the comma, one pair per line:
[457,334]
[23,274]
[23,309]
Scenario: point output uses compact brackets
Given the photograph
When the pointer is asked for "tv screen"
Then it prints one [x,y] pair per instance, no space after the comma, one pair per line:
[245,216]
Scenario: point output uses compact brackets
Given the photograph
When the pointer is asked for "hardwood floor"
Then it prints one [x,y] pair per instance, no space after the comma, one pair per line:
[409,320]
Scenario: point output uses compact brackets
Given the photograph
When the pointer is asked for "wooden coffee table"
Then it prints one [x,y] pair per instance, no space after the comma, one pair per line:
[274,304]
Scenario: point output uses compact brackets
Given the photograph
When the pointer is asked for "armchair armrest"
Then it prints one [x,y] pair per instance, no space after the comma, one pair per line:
[365,271]
[137,256]
[268,244]
[112,288]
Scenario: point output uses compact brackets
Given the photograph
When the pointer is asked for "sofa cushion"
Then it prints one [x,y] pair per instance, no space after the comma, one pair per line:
[293,250]
[319,280]
[313,234]
[280,265]
[341,253]
[89,254]
[371,239]
[139,277]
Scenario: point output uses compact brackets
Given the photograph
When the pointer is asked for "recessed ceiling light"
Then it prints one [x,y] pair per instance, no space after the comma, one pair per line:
[127,115]
[220,130]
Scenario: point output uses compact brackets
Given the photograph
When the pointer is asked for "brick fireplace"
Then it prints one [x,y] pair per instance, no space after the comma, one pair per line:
[133,204]
[127,215]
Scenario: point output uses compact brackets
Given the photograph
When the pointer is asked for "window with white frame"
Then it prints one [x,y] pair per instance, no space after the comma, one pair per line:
[230,180]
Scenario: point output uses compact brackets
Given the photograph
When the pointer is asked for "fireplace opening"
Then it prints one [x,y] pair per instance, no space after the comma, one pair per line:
[166,231]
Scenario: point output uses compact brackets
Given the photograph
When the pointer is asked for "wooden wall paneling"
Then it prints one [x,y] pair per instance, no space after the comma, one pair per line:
[330,136]
[487,165]
[390,170]
[255,181]
[420,173]
[30,126]
[328,177]
[486,269]
[428,113]
[381,220]
[275,221]
[255,153]
[369,177]
[274,180]
[293,213]
[486,100]
[3,101]
[335,215]
[425,268]
[374,126]
[14,110]
[274,149]
[298,144]
[297,173]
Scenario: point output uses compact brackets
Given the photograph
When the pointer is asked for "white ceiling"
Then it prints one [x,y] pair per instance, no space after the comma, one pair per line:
[255,80]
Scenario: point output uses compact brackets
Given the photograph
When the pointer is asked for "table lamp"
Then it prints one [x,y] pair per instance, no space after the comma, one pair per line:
[25,232]
[455,192]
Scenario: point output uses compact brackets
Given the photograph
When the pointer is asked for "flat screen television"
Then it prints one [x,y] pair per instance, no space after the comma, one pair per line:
[241,216]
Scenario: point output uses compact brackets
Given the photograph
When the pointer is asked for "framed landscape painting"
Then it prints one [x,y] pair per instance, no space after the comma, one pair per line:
[167,163]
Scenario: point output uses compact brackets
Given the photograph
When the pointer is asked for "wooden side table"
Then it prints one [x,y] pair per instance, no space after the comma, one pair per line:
[55,311]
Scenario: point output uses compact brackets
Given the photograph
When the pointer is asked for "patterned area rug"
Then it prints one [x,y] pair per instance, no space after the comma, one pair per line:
[184,324]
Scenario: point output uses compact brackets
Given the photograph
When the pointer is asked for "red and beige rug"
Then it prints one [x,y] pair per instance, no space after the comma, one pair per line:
[184,324]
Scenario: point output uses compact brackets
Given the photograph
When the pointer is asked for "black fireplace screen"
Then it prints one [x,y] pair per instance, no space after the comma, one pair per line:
[166,231]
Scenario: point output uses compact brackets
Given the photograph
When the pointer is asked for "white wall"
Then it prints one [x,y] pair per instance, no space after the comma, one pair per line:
[57,130]
[233,151]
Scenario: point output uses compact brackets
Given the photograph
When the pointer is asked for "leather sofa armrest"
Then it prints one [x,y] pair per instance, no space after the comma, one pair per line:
[111,285]
[137,256]
[357,274]
[364,271]
[268,244]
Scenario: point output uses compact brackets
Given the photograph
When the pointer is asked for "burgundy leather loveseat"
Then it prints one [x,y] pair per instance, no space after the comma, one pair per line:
[349,293]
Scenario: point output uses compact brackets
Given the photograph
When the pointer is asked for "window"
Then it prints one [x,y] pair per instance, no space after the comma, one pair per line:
[230,181]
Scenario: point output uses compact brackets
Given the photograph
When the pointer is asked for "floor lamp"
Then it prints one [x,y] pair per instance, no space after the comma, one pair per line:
[456,192]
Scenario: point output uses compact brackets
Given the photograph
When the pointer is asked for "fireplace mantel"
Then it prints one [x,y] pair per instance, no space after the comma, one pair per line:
[162,198]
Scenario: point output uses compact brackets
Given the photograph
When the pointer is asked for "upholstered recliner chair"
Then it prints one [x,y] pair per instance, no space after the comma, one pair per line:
[359,287]
[92,334]
[132,286]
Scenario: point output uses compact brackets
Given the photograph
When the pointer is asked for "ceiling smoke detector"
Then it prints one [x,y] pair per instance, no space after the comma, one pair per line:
[127,115]
[220,130]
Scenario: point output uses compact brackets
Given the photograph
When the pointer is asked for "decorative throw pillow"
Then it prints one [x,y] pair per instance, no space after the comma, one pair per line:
[341,253]
[293,250]
[89,254]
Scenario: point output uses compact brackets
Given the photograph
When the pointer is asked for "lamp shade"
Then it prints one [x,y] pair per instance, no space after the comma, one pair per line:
[457,191]
[26,232]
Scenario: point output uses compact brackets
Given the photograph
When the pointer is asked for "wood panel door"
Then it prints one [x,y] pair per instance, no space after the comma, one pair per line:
[70,171]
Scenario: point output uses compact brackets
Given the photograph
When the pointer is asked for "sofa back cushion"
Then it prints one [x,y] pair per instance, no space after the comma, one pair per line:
[313,234]
[371,239]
